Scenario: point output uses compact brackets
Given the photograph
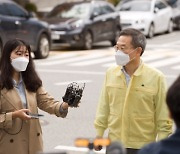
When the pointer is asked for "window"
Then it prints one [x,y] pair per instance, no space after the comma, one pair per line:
[136,6]
[3,10]
[106,9]
[15,10]
[97,10]
[68,10]
[160,5]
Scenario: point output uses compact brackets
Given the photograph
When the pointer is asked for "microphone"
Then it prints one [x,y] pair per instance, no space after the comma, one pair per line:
[115,148]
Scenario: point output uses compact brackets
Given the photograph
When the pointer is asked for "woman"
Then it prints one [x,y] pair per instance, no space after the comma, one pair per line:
[22,93]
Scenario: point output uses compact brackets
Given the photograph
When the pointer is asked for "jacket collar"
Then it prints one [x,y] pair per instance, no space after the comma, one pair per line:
[138,72]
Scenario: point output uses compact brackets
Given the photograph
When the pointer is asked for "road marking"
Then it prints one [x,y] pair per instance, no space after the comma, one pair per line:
[165,62]
[84,72]
[68,82]
[82,57]
[71,148]
[156,58]
[70,72]
[176,67]
[93,62]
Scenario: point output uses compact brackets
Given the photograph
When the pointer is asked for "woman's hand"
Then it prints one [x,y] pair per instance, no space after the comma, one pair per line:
[22,114]
[64,105]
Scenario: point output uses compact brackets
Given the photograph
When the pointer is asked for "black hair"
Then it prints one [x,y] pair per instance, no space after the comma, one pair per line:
[138,38]
[30,77]
[173,101]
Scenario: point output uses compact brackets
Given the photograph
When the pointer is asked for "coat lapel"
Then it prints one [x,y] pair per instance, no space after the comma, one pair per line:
[13,98]
[30,99]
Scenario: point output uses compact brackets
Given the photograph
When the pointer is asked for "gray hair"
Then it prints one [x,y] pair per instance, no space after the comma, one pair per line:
[138,38]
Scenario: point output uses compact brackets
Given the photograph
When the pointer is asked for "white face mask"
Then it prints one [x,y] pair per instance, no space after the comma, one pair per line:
[20,63]
[122,58]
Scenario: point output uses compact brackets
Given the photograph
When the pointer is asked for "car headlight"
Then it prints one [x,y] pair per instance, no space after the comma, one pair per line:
[76,25]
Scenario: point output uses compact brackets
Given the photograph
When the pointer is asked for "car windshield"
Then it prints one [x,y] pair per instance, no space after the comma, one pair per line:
[77,10]
[136,6]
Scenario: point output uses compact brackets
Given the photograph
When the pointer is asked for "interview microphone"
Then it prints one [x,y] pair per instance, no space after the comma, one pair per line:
[115,148]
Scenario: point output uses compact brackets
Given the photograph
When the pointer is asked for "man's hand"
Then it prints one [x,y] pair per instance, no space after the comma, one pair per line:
[98,147]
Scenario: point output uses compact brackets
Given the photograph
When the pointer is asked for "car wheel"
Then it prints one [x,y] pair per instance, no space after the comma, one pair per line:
[170,26]
[178,25]
[88,41]
[116,37]
[151,31]
[43,47]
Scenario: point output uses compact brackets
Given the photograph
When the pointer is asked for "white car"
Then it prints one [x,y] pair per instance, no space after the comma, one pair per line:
[148,16]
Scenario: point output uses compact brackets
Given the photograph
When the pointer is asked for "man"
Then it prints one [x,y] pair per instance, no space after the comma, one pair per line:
[171,144]
[132,102]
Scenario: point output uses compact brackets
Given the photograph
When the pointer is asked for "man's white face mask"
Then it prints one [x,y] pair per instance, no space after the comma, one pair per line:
[122,58]
[20,63]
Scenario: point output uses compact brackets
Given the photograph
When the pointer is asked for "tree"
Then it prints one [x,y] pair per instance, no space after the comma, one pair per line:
[114,2]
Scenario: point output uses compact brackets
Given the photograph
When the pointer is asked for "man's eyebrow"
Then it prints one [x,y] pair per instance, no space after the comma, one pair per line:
[121,44]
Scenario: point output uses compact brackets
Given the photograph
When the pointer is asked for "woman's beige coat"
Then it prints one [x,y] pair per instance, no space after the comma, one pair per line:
[29,139]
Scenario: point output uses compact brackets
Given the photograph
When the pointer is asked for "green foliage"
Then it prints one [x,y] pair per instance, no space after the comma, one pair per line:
[31,7]
[114,2]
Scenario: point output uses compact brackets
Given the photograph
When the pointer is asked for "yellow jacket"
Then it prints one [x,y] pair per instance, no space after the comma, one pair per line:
[135,114]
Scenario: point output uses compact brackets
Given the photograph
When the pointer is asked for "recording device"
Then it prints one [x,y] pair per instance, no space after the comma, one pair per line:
[35,116]
[73,94]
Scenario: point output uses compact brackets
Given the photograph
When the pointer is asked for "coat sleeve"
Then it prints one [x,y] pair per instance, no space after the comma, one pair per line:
[6,120]
[48,104]
[102,113]
[163,121]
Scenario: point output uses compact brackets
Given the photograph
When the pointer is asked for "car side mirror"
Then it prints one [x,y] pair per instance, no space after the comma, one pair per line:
[94,14]
[156,10]
[31,15]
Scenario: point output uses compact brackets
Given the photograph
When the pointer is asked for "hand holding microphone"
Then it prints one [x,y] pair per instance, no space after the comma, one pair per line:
[73,94]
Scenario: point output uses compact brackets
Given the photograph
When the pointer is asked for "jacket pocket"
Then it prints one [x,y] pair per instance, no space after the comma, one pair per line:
[114,126]
[142,129]
[116,96]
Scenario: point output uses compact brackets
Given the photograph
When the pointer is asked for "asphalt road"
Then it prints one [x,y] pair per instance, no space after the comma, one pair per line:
[64,66]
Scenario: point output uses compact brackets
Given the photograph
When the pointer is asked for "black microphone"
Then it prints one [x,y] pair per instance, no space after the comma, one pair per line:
[115,148]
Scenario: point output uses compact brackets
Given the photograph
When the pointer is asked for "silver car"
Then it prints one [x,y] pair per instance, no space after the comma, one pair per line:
[149,16]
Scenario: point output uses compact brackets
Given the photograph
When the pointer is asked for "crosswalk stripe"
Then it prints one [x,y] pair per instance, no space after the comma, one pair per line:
[156,58]
[159,55]
[109,64]
[165,62]
[176,67]
[61,56]
[157,63]
[90,56]
[56,57]
[92,62]
[150,57]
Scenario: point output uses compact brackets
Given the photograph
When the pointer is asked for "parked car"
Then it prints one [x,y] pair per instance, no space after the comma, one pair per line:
[175,4]
[83,23]
[15,22]
[149,16]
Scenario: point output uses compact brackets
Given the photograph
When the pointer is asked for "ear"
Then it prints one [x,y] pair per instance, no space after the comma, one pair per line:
[139,51]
